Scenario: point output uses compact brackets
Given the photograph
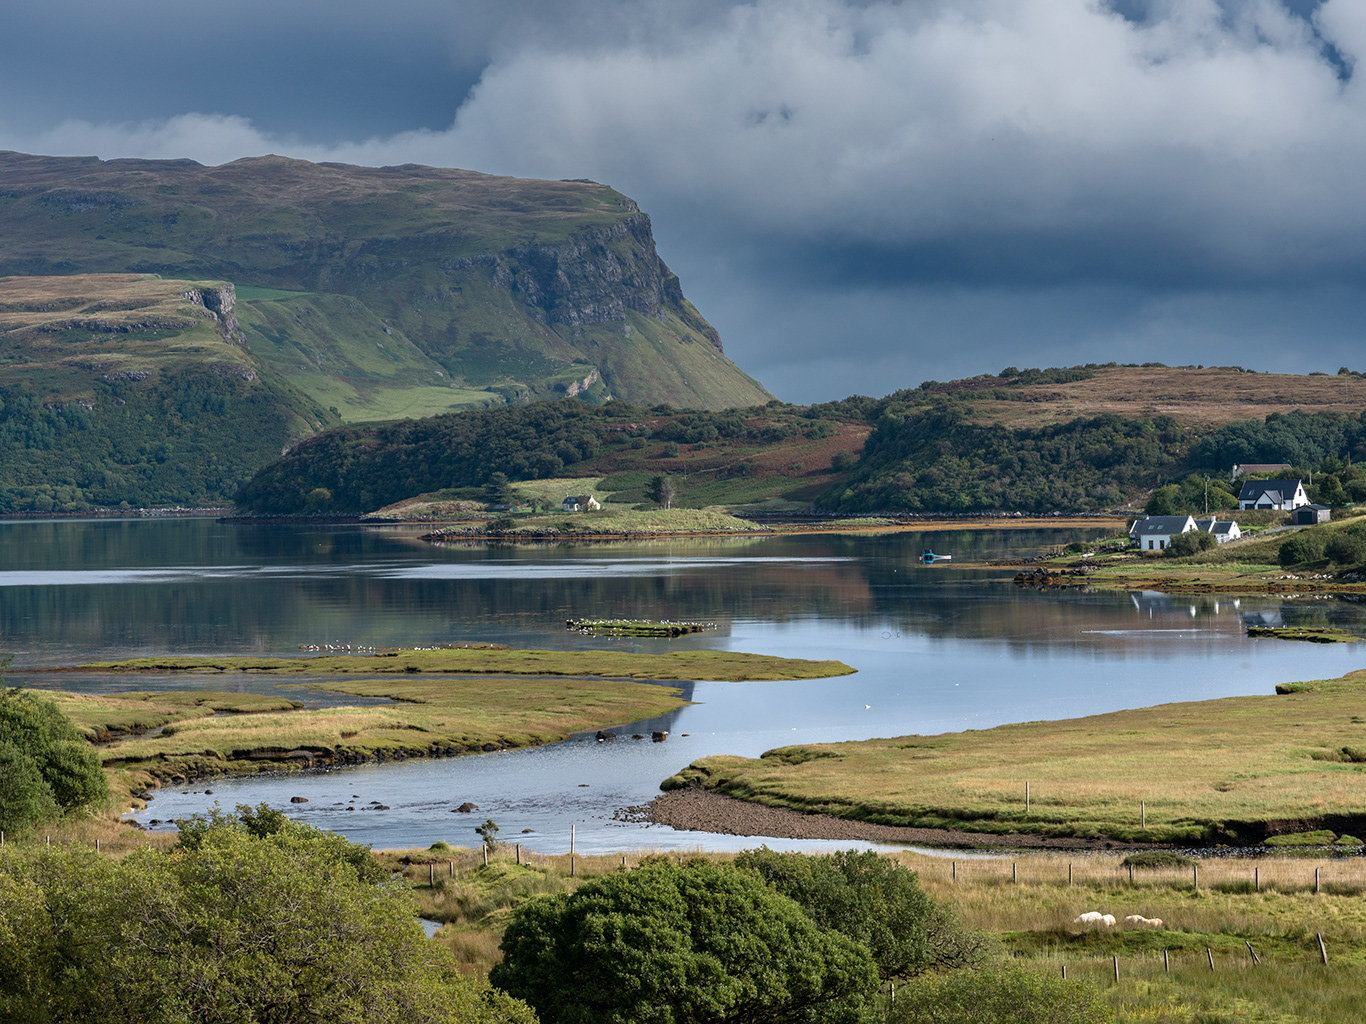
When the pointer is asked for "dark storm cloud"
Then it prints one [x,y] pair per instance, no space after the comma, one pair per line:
[925,184]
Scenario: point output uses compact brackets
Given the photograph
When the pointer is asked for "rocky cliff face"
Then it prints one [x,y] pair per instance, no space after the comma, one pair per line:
[514,285]
[220,302]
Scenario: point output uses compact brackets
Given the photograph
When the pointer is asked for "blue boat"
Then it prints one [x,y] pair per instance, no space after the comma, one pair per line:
[929,557]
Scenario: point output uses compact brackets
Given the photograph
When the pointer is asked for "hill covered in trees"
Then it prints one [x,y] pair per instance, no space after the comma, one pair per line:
[936,448]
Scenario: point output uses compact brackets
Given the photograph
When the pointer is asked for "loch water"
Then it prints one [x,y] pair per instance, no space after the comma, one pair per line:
[940,647]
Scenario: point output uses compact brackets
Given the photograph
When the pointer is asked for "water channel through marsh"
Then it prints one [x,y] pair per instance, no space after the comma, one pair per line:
[943,647]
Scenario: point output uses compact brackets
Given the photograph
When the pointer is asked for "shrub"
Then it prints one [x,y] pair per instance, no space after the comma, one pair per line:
[46,767]
[241,927]
[873,900]
[1347,549]
[1156,859]
[670,944]
[1305,546]
[1002,994]
[1189,543]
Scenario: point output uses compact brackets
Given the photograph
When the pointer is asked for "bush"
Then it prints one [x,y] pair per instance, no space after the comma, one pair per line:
[873,900]
[1305,546]
[46,767]
[240,927]
[1347,549]
[670,944]
[1191,542]
[1003,994]
[1156,859]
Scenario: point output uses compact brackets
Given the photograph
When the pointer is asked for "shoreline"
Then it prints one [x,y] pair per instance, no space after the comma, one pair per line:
[698,810]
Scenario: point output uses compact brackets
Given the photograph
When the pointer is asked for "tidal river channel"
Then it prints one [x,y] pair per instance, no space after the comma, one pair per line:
[936,648]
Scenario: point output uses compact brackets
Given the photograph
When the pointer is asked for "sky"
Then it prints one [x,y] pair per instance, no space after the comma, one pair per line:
[861,195]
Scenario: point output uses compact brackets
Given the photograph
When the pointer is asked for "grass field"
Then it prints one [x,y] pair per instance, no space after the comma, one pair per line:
[1231,770]
[724,666]
[1027,904]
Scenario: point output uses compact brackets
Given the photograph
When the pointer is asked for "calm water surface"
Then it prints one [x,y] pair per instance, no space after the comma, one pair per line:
[937,648]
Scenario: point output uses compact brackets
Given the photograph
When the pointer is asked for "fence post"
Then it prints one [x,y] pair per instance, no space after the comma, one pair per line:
[1166,964]
[1316,880]
[519,853]
[1026,796]
[1116,959]
[1143,810]
[1256,879]
[486,855]
[1131,874]
[571,840]
[1210,953]
[450,868]
[1195,875]
[1014,873]
[571,865]
[431,872]
[954,865]
[1323,950]
[1064,972]
[1069,874]
[1255,958]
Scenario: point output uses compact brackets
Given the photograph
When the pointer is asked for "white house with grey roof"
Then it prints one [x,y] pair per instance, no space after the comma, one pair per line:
[1224,530]
[1153,533]
[1283,495]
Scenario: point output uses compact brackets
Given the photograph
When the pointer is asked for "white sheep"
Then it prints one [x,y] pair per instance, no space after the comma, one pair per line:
[1139,921]
[1095,917]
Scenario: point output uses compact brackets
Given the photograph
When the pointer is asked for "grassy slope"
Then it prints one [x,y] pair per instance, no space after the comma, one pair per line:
[1201,398]
[501,282]
[731,666]
[1231,770]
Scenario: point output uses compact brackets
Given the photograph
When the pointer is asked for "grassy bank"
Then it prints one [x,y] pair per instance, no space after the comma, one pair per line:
[1027,904]
[1232,771]
[722,666]
[443,703]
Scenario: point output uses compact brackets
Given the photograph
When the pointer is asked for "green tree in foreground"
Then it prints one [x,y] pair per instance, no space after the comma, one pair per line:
[1001,994]
[46,767]
[256,920]
[876,902]
[1304,546]
[692,944]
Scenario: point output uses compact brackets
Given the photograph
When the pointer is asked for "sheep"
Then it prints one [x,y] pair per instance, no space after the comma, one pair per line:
[1096,917]
[1139,921]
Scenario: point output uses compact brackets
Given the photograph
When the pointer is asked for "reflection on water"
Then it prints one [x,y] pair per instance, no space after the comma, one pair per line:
[936,647]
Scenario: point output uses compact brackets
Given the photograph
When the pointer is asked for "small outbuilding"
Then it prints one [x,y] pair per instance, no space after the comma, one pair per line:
[580,503]
[1154,533]
[1308,515]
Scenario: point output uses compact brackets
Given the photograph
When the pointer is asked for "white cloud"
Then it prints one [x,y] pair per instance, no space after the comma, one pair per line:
[1228,135]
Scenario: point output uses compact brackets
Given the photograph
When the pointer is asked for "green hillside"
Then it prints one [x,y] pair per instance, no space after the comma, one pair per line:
[133,390]
[393,291]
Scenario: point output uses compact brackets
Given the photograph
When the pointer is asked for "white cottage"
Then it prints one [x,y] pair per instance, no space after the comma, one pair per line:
[1153,533]
[580,503]
[1223,530]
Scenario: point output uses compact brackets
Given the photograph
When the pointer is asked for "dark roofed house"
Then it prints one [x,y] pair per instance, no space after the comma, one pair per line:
[1224,530]
[1153,533]
[1308,515]
[1284,495]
